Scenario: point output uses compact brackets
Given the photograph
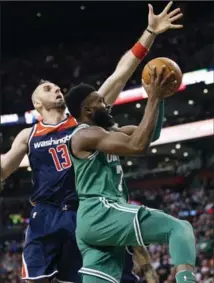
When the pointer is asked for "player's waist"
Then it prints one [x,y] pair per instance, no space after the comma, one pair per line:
[98,197]
[93,201]
[71,205]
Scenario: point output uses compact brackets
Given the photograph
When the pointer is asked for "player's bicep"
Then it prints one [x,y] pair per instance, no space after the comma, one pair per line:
[12,159]
[128,130]
[96,138]
[116,143]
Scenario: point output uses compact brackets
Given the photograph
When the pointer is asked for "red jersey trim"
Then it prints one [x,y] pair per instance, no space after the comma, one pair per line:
[46,129]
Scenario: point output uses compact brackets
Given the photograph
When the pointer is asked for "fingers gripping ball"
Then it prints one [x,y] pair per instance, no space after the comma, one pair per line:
[169,67]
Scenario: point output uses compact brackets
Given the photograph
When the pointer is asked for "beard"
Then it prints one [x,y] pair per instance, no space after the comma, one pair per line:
[103,118]
[61,105]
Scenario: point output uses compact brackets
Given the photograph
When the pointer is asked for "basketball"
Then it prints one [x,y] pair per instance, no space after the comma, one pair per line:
[159,63]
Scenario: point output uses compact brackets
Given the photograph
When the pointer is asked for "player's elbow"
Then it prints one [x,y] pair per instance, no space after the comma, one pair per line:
[140,145]
[138,148]
[6,170]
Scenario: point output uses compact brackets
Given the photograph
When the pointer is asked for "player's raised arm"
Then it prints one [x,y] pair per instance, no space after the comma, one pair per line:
[157,24]
[12,159]
[97,138]
[118,143]
[128,130]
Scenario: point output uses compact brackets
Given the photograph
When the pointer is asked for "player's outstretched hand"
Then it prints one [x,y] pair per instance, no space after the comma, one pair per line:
[165,20]
[160,86]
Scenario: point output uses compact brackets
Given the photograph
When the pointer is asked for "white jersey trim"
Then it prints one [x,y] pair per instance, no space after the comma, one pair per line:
[128,251]
[60,281]
[31,136]
[40,277]
[27,272]
[80,127]
[124,208]
[98,273]
[56,125]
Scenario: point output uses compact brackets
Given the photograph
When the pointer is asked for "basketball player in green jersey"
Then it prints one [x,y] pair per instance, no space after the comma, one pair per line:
[106,223]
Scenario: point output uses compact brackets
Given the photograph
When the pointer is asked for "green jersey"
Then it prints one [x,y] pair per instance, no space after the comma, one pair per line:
[99,175]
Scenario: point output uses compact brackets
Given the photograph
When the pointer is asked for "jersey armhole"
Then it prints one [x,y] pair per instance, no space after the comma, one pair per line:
[30,138]
[93,154]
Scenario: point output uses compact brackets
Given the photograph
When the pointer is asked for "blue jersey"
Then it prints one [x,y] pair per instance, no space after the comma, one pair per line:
[128,274]
[53,176]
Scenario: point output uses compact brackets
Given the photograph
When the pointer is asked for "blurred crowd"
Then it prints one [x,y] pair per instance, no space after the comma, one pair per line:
[91,58]
[194,204]
[67,64]
[10,262]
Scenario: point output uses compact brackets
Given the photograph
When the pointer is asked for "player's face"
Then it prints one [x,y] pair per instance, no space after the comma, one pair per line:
[100,111]
[51,96]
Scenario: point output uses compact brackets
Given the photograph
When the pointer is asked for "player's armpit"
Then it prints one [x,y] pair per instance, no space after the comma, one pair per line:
[12,159]
[96,138]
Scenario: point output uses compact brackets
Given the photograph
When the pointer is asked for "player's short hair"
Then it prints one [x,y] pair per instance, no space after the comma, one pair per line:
[41,82]
[75,97]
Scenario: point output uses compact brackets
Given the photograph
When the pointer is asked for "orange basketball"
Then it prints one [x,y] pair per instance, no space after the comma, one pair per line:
[159,62]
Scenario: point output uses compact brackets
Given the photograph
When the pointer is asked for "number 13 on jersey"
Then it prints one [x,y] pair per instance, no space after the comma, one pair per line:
[61,151]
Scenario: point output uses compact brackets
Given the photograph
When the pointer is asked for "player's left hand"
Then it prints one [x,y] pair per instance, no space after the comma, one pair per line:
[164,21]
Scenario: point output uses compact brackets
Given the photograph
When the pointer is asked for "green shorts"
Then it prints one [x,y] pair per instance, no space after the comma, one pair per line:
[104,229]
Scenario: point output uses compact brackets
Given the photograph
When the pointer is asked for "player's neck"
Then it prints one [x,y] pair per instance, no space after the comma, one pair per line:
[54,117]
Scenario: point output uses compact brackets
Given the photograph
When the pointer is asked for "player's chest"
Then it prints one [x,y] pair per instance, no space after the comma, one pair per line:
[48,141]
[110,161]
[52,150]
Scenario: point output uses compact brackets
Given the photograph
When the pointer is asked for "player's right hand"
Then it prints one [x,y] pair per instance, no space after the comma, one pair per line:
[165,20]
[160,86]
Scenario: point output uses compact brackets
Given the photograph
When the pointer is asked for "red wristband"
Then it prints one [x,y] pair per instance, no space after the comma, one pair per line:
[139,50]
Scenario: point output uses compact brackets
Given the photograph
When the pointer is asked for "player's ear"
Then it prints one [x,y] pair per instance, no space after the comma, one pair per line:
[37,104]
[87,111]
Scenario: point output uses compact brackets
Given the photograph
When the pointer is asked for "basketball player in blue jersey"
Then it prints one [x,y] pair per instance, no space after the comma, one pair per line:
[50,248]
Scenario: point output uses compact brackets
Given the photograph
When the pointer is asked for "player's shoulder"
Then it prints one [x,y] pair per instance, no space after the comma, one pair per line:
[88,137]
[24,135]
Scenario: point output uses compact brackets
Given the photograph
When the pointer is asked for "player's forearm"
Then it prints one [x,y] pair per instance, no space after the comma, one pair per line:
[159,123]
[141,137]
[2,175]
[10,164]
[5,173]
[129,130]
[126,67]
[129,62]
